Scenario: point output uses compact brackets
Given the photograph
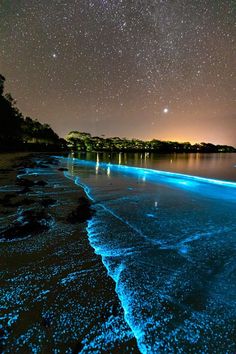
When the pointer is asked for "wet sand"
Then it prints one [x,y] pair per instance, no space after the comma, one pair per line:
[56,296]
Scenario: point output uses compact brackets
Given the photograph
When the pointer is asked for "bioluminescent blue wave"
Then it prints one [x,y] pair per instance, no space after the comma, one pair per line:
[169,242]
[143,172]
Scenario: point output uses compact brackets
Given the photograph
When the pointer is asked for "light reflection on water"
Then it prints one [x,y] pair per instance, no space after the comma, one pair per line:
[220,166]
[168,241]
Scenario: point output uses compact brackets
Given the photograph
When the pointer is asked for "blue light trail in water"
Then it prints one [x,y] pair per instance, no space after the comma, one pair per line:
[202,185]
[181,178]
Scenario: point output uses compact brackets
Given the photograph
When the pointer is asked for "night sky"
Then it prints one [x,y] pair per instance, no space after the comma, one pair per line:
[131,68]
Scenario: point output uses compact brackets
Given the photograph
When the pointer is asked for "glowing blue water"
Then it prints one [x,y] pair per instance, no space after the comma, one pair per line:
[169,242]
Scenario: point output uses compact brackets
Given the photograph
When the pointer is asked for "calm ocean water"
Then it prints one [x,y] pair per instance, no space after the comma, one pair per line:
[168,240]
[221,166]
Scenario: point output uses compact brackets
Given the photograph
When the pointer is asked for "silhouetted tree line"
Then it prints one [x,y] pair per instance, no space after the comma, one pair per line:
[18,132]
[85,142]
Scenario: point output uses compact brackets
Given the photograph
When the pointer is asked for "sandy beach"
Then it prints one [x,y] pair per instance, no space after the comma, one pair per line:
[56,296]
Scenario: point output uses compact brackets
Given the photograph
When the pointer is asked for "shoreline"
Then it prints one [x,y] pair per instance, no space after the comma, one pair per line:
[52,297]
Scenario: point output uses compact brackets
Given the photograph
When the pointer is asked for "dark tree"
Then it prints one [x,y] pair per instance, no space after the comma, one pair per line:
[11,119]
[17,132]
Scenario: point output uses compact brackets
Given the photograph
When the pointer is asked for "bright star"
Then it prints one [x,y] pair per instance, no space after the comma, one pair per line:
[165,110]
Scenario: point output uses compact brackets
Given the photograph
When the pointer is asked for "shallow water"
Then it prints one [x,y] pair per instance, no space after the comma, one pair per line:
[169,243]
[220,165]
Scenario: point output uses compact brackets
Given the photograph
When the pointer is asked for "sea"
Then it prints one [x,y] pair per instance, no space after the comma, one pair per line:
[165,228]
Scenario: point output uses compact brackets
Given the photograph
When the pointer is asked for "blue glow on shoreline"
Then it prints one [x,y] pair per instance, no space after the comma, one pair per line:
[115,275]
[140,171]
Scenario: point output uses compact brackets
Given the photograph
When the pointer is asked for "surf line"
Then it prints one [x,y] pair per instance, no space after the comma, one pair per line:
[87,190]
[140,171]
[116,276]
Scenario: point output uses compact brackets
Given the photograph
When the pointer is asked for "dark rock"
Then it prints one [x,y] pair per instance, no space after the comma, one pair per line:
[6,201]
[25,201]
[24,190]
[47,202]
[82,213]
[24,182]
[40,183]
[62,169]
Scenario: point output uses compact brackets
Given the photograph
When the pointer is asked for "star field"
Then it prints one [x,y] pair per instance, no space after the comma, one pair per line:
[146,69]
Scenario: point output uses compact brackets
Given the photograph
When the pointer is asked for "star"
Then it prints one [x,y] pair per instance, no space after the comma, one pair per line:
[135,61]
